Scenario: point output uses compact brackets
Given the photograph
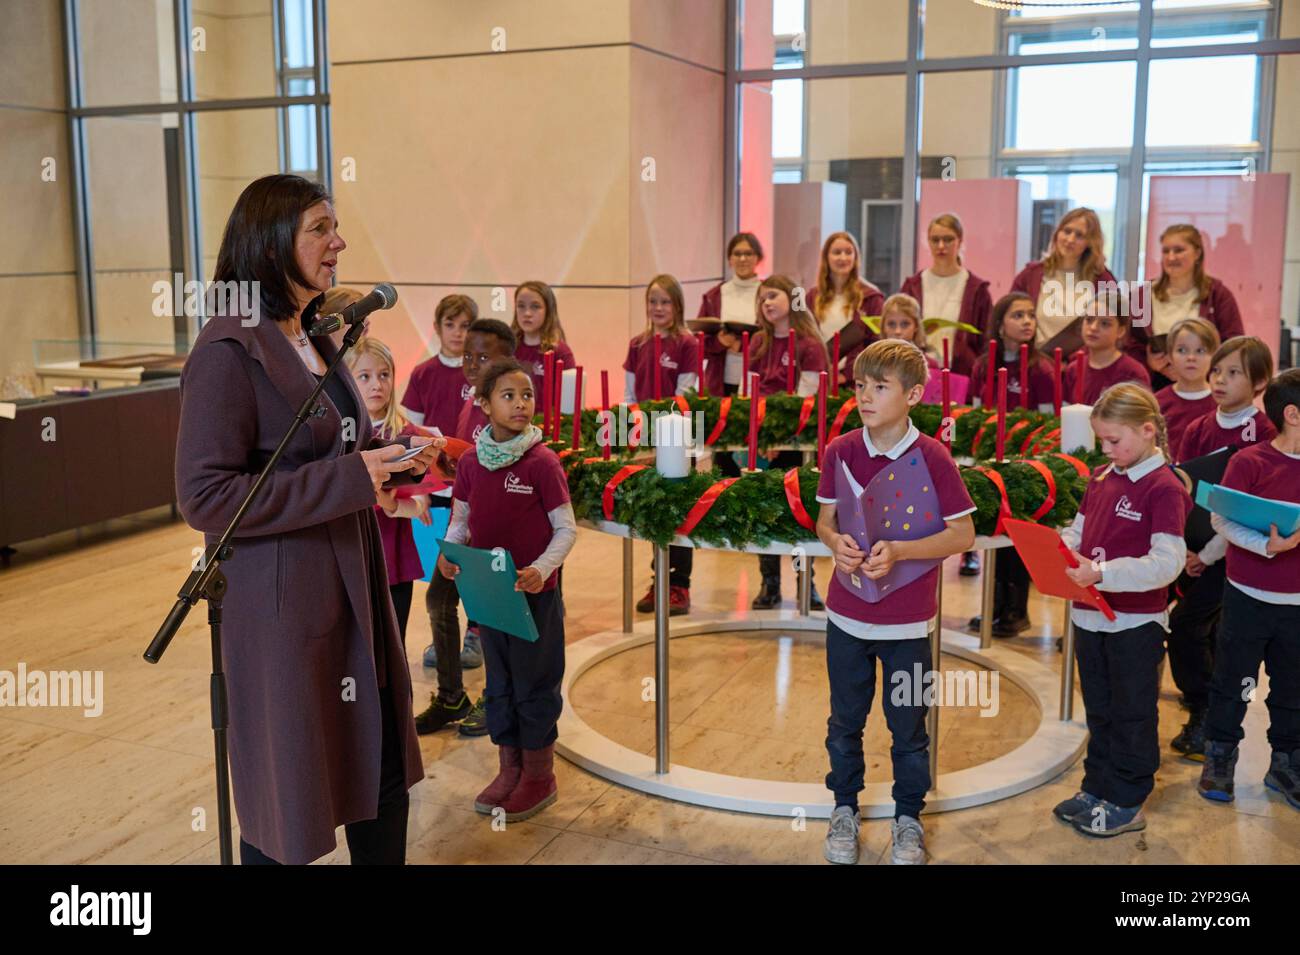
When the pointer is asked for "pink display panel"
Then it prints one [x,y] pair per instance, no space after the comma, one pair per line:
[995,215]
[1243,228]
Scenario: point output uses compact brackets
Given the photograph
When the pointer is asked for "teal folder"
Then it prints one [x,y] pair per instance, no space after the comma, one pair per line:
[487,589]
[1257,513]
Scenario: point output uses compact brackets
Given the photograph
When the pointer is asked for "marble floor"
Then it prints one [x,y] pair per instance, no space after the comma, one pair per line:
[135,784]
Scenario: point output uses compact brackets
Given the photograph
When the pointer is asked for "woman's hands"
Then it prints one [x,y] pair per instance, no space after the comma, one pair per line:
[382,462]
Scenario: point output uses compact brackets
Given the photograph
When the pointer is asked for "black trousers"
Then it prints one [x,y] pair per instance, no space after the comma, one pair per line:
[441,600]
[402,604]
[1253,632]
[378,841]
[523,678]
[1193,624]
[681,560]
[851,667]
[1011,584]
[1119,674]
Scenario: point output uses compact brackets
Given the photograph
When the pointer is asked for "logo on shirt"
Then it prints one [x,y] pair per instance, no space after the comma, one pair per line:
[539,368]
[1125,510]
[516,486]
[666,362]
[466,391]
[473,438]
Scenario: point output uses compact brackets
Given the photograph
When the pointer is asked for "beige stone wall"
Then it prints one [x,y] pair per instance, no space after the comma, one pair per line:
[478,168]
[38,297]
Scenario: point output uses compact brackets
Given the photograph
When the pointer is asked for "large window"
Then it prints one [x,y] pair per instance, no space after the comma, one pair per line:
[954,90]
[175,106]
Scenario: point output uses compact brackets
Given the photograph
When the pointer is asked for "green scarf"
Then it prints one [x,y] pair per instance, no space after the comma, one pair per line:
[495,455]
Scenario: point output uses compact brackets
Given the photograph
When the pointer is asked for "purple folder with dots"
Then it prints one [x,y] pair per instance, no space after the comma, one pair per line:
[899,503]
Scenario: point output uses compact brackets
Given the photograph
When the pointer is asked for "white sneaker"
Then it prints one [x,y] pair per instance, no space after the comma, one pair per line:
[909,842]
[841,845]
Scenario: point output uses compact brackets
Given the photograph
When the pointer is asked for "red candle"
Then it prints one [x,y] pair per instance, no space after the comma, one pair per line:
[559,400]
[945,353]
[744,375]
[1002,410]
[835,361]
[1024,376]
[789,373]
[752,386]
[654,389]
[548,375]
[604,406]
[577,408]
[947,409]
[822,381]
[701,388]
[1082,360]
[1057,390]
[988,373]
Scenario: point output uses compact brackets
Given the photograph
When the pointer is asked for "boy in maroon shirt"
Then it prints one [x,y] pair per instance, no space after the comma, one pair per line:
[1103,363]
[1238,373]
[889,378]
[1261,610]
[437,390]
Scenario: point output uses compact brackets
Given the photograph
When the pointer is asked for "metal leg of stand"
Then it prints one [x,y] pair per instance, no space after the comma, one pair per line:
[627,585]
[1067,668]
[220,720]
[805,584]
[932,717]
[661,659]
[988,567]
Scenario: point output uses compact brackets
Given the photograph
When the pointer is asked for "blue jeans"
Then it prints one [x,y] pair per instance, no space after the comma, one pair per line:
[851,666]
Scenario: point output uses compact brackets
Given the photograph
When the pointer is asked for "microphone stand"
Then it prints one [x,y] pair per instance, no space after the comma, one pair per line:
[207,582]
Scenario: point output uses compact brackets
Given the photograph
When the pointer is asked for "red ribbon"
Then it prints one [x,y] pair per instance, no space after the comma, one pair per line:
[1045,442]
[1024,448]
[1004,508]
[1078,465]
[1022,423]
[682,406]
[1049,502]
[839,419]
[724,407]
[795,500]
[805,412]
[623,473]
[703,505]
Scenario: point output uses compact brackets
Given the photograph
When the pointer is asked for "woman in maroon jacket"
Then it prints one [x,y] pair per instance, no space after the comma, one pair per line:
[842,299]
[1062,283]
[947,289]
[732,301]
[1184,290]
[321,733]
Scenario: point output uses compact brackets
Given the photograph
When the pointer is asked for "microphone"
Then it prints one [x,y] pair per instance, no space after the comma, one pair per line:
[381,296]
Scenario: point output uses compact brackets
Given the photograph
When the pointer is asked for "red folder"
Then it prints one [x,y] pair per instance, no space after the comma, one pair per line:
[436,478]
[1047,558]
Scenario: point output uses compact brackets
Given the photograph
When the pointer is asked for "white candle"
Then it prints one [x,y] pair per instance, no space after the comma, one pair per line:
[566,391]
[1076,428]
[672,435]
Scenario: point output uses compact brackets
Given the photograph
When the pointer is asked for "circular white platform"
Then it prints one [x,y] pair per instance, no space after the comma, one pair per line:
[1053,747]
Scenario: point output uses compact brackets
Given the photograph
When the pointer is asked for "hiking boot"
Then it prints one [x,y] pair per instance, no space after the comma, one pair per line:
[1216,775]
[475,724]
[1190,743]
[440,713]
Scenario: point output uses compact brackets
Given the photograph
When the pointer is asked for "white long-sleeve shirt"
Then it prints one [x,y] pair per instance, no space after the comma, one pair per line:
[564,535]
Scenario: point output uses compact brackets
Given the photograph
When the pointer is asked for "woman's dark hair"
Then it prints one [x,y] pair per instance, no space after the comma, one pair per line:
[496,329]
[259,241]
[503,366]
[749,238]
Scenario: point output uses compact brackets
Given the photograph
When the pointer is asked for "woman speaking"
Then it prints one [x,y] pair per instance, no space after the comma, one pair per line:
[321,733]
